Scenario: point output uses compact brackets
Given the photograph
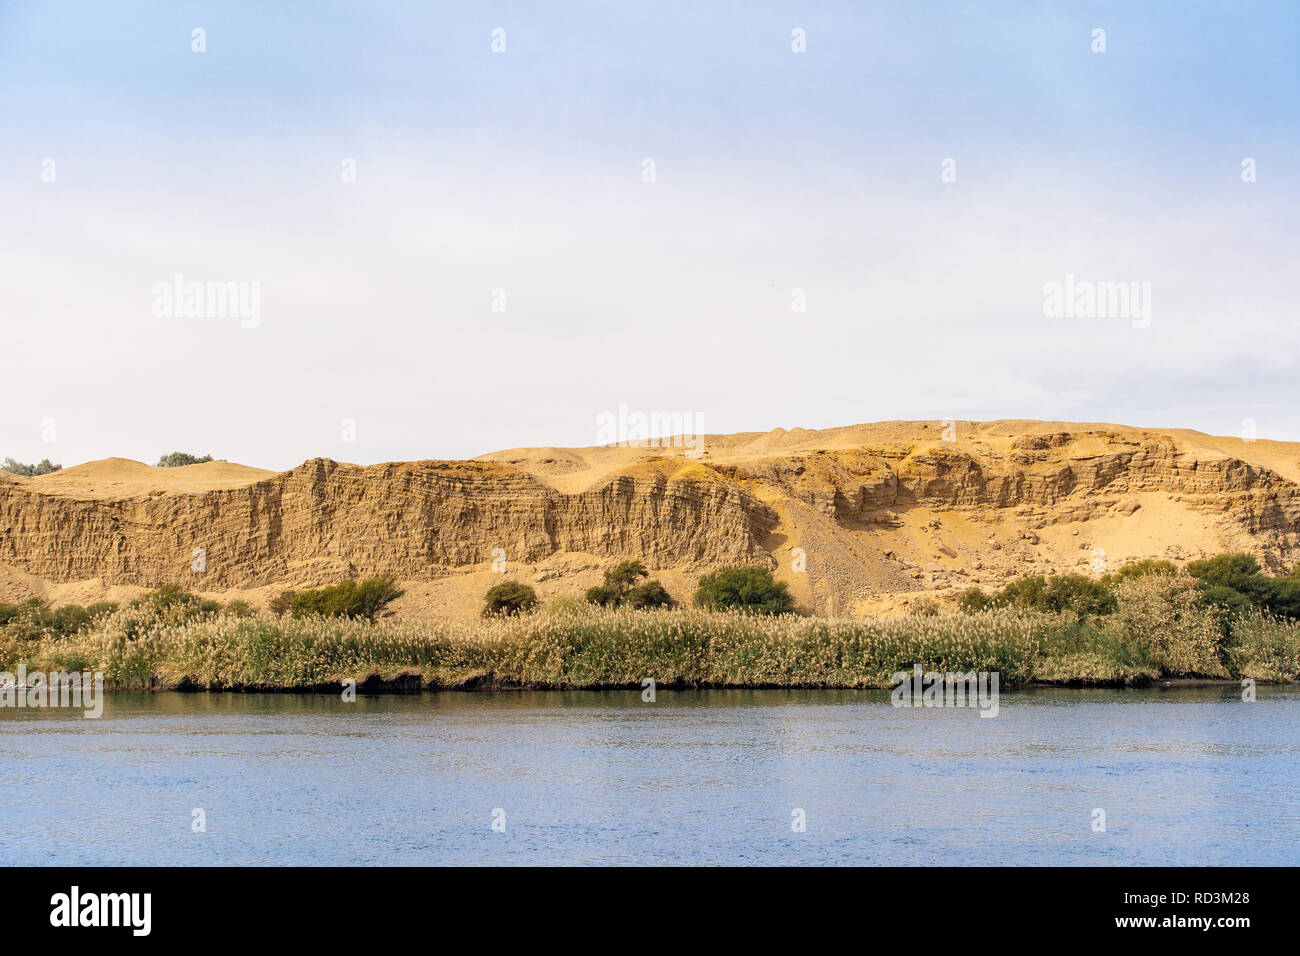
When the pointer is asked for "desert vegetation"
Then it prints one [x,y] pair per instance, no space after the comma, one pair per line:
[1147,626]
[1232,582]
[624,587]
[752,590]
[508,599]
[1218,618]
[366,599]
[178,459]
[43,467]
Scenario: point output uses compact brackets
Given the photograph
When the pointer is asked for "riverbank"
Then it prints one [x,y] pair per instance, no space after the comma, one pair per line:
[1150,639]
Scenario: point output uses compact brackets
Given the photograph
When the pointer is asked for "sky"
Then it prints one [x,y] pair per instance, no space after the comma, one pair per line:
[660,206]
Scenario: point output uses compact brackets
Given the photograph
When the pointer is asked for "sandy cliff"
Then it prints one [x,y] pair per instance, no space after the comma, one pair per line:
[857,519]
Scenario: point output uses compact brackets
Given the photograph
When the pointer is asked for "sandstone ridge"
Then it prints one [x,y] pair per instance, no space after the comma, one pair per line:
[857,519]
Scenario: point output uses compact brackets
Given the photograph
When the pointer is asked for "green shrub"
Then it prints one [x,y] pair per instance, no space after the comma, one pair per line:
[1236,571]
[282,603]
[604,595]
[239,608]
[1063,592]
[622,587]
[173,597]
[650,594]
[1236,582]
[179,459]
[751,589]
[1138,569]
[508,598]
[368,599]
[973,600]
[1280,596]
[1222,596]
[34,618]
[1082,595]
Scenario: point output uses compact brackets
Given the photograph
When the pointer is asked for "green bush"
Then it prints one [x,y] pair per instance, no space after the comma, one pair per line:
[751,589]
[34,618]
[179,459]
[1138,569]
[1236,582]
[239,608]
[1063,592]
[622,587]
[604,595]
[368,599]
[1281,596]
[508,598]
[30,471]
[973,600]
[1236,571]
[650,594]
[173,597]
[282,603]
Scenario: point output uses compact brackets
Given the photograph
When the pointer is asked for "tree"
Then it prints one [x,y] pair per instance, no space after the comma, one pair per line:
[367,599]
[371,597]
[508,598]
[1236,582]
[179,459]
[30,471]
[622,587]
[751,589]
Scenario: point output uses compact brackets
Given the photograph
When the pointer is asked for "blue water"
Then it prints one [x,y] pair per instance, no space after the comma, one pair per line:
[1185,776]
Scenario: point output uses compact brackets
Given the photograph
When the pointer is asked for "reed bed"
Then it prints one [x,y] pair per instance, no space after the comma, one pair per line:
[1154,635]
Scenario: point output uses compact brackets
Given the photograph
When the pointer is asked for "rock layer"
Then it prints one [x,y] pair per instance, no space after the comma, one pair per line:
[846,515]
[323,520]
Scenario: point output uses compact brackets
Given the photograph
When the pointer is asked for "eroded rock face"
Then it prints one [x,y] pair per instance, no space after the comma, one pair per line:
[857,516]
[324,520]
[862,485]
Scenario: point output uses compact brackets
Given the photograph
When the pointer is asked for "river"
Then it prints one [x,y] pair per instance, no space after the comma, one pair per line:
[1182,775]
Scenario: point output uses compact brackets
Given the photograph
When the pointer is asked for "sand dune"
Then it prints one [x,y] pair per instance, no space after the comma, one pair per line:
[124,478]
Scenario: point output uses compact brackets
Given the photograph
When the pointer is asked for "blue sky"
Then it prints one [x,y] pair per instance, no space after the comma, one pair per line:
[522,171]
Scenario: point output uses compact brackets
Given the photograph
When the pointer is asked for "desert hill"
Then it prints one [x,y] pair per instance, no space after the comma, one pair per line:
[857,519]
